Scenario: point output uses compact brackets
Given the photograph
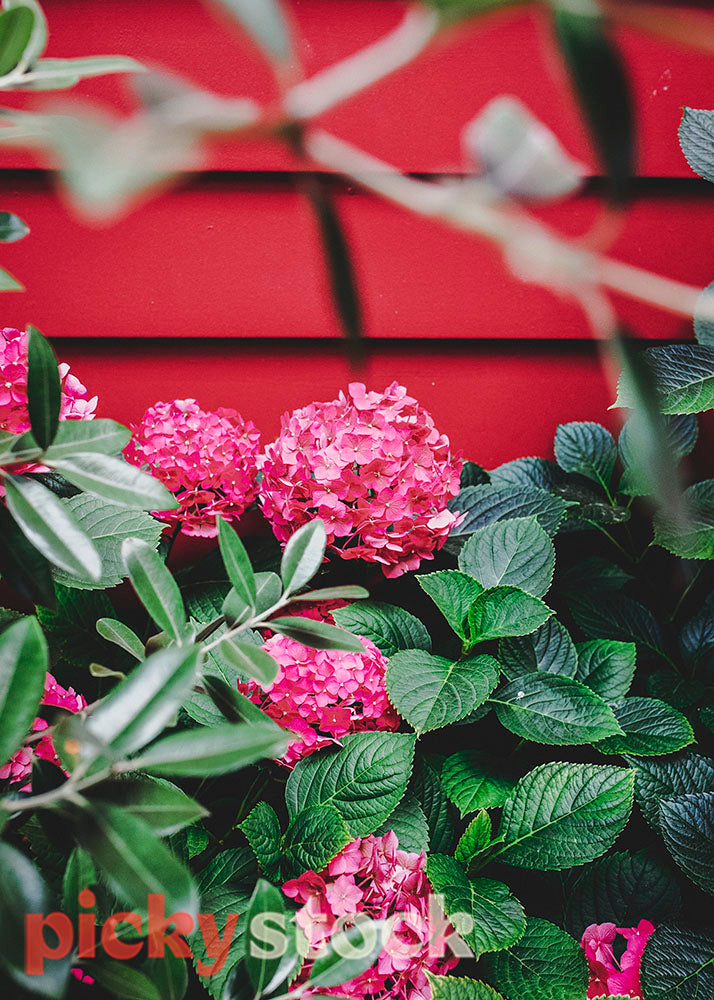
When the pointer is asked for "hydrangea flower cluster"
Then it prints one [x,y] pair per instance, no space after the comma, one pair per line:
[75,401]
[206,458]
[321,695]
[372,876]
[373,467]
[19,766]
[608,977]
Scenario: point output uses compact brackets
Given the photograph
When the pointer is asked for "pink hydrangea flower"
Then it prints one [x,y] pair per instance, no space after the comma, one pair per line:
[373,467]
[608,977]
[206,458]
[373,877]
[75,403]
[19,766]
[321,695]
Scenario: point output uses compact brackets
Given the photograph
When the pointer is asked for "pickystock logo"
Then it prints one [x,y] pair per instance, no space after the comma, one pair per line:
[123,935]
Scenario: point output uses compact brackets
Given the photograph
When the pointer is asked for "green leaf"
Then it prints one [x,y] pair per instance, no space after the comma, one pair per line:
[23,665]
[22,567]
[453,593]
[559,711]
[207,751]
[38,38]
[472,782]
[121,980]
[104,436]
[22,892]
[346,593]
[268,589]
[696,137]
[549,649]
[456,988]
[43,382]
[561,815]
[250,660]
[618,889]
[266,901]
[431,692]
[650,728]
[484,912]
[678,434]
[487,503]
[237,562]
[546,964]
[113,479]
[409,824]
[500,612]
[611,615]
[232,705]
[169,974]
[691,977]
[683,376]
[703,325]
[107,526]
[390,628]
[588,449]
[692,537]
[134,861]
[121,635]
[155,587]
[680,774]
[365,779]
[12,228]
[8,283]
[474,839]
[516,552]
[15,32]
[264,22]
[348,954]
[314,837]
[159,803]
[51,528]
[79,874]
[141,706]
[601,83]
[317,635]
[687,826]
[607,667]
[427,789]
[303,555]
[262,830]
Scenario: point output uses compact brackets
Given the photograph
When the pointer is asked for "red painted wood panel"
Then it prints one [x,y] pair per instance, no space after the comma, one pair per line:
[412,119]
[228,259]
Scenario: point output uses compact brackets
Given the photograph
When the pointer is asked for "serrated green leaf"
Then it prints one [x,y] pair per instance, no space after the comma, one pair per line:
[611,615]
[618,889]
[607,667]
[365,779]
[472,782]
[500,612]
[484,912]
[23,665]
[668,778]
[679,435]
[546,964]
[650,728]
[694,537]
[390,628]
[559,711]
[515,552]
[313,837]
[588,449]
[549,649]
[703,324]
[409,824]
[683,376]
[691,977]
[474,839]
[212,750]
[696,137]
[687,826]
[456,988]
[561,815]
[155,587]
[427,789]
[262,830]
[453,593]
[432,691]
[487,503]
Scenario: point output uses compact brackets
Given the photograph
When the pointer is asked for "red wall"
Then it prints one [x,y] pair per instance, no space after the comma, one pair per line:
[216,289]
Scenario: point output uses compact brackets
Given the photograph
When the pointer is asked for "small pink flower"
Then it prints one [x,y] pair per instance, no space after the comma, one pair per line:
[608,977]
[207,459]
[373,467]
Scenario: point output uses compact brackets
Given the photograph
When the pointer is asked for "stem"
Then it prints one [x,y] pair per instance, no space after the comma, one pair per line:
[210,629]
[677,606]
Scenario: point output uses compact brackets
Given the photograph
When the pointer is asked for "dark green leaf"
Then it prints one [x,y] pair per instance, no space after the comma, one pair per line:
[546,964]
[389,627]
[43,382]
[586,448]
[453,593]
[266,904]
[607,666]
[516,552]
[485,504]
[121,980]
[427,789]
[22,567]
[500,612]
[549,649]
[650,728]
[668,778]
[696,137]
[160,804]
[409,824]
[474,839]
[315,835]
[472,782]
[262,830]
[23,665]
[691,977]
[683,377]
[16,27]
[687,826]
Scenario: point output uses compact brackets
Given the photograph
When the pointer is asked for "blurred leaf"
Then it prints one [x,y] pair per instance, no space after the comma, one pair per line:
[59,74]
[696,137]
[455,10]
[694,538]
[120,980]
[15,32]
[348,954]
[703,325]
[266,903]
[164,806]
[8,283]
[316,635]
[155,586]
[265,23]
[79,874]
[43,388]
[21,566]
[12,228]
[51,528]
[601,84]
[169,974]
[678,377]
[23,664]
[216,750]
[104,436]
